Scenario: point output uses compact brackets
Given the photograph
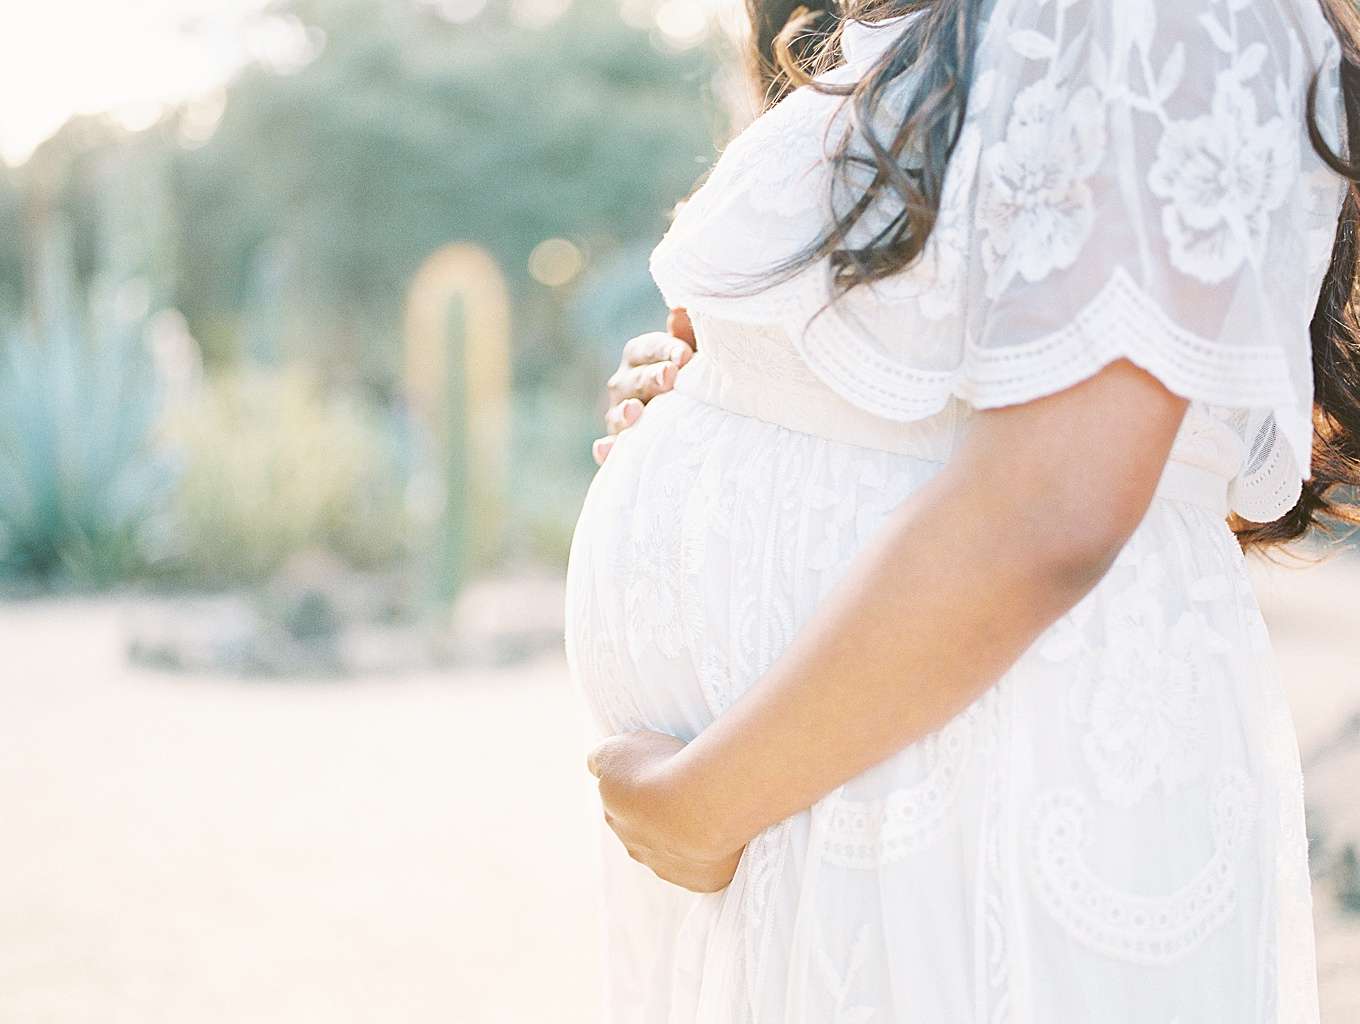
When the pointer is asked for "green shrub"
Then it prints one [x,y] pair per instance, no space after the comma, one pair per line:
[273,467]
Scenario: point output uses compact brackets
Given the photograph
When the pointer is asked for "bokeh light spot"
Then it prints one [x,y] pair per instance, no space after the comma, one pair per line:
[459,12]
[538,13]
[200,117]
[682,23]
[284,44]
[556,262]
[637,13]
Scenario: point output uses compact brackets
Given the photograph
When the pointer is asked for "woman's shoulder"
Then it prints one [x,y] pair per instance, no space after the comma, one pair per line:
[1128,175]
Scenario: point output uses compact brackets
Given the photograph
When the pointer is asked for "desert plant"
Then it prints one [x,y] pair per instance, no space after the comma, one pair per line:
[457,383]
[1348,880]
[273,466]
[81,479]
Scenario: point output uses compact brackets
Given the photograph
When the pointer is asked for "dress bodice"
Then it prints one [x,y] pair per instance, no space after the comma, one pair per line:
[1223,458]
[1087,213]
[755,370]
[1114,830]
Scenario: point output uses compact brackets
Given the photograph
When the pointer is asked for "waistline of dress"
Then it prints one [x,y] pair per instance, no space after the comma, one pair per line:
[810,407]
[1195,485]
[820,412]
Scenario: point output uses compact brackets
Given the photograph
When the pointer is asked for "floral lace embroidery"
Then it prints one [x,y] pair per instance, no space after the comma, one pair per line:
[1123,319]
[1122,925]
[1034,207]
[595,659]
[1147,711]
[840,982]
[869,833]
[1143,693]
[1146,153]
[756,535]
[1224,172]
[768,503]
[1134,740]
[764,859]
[752,352]
[652,593]
[1289,959]
[783,179]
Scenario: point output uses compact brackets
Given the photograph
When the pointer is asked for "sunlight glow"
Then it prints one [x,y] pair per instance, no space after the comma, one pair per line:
[683,23]
[66,57]
[134,59]
[457,11]
[538,13]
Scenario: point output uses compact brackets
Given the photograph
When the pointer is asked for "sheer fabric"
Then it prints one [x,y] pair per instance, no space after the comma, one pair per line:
[1115,831]
[1132,179]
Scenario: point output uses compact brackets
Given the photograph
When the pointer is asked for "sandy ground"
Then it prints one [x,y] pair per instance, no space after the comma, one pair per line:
[420,850]
[196,851]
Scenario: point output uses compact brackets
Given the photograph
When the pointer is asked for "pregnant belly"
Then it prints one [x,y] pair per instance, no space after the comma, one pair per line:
[704,542]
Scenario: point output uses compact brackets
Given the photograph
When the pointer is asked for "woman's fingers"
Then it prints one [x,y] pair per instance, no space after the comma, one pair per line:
[648,368]
[656,347]
[678,323]
[642,382]
[623,415]
[601,448]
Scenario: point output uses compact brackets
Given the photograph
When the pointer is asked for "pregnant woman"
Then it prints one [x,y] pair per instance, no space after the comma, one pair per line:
[914,619]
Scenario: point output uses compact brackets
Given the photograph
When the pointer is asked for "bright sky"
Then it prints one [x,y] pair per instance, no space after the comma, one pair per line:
[131,57]
[62,57]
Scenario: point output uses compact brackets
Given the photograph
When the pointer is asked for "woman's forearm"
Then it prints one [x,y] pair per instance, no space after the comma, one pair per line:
[927,617]
[960,581]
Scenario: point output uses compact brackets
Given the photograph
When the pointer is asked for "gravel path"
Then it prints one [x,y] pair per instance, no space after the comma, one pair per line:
[177,850]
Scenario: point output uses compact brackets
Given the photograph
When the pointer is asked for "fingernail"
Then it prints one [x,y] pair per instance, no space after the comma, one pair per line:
[679,354]
[632,409]
[601,447]
[659,374]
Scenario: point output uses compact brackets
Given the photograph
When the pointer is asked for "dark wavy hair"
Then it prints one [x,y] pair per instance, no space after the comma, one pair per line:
[793,41]
[789,39]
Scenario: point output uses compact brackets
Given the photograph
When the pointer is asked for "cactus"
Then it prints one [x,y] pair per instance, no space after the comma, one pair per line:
[457,381]
[1348,880]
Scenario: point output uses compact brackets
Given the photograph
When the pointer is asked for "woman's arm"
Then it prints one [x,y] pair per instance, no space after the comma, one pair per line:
[963,578]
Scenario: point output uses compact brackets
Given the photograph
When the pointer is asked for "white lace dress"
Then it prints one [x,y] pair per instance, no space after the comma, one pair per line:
[1114,833]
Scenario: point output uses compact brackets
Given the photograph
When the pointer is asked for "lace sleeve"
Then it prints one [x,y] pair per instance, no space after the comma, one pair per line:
[1134,179]
[1143,196]
[1270,483]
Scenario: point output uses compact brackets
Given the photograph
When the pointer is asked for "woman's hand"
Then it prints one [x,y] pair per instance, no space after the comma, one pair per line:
[939,604]
[647,369]
[660,825]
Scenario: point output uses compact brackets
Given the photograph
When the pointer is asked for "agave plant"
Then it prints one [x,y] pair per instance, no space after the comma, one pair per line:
[81,480]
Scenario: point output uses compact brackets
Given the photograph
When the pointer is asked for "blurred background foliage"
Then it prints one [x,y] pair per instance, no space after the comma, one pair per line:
[81,480]
[305,470]
[202,321]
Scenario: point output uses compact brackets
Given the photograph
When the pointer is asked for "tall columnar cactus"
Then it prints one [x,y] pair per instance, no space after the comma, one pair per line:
[458,383]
